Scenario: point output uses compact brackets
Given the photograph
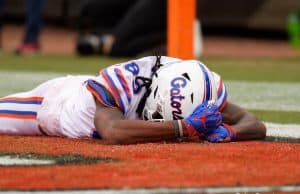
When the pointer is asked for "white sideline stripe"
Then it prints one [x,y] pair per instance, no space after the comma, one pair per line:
[265,95]
[283,130]
[14,82]
[275,96]
[12,161]
[245,189]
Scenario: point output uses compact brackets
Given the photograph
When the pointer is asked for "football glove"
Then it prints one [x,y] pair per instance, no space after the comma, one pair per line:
[223,133]
[203,120]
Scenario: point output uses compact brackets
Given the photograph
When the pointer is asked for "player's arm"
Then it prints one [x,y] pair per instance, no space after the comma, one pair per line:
[114,129]
[246,124]
[238,124]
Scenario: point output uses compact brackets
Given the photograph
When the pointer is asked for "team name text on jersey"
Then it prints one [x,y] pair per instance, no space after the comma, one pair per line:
[176,97]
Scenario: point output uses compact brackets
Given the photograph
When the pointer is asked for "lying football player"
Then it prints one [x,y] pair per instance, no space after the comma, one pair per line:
[144,100]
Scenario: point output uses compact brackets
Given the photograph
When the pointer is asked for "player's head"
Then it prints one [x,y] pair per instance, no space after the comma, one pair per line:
[177,89]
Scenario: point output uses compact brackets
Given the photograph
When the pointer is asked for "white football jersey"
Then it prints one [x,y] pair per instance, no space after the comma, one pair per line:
[69,107]
[122,82]
[66,106]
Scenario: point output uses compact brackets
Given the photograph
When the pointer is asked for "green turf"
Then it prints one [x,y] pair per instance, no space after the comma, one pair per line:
[250,69]
[277,116]
[284,69]
[55,63]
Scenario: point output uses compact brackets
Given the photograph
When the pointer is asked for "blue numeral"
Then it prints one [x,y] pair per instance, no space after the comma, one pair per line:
[135,70]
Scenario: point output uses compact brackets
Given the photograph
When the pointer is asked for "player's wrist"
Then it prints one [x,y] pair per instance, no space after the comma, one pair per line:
[188,128]
[178,130]
[231,130]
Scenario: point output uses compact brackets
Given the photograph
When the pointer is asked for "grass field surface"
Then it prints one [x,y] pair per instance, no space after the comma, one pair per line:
[280,69]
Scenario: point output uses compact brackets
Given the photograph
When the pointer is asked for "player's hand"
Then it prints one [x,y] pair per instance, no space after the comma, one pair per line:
[223,133]
[203,120]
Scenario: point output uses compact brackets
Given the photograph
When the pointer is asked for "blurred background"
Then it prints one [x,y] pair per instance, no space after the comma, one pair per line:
[229,28]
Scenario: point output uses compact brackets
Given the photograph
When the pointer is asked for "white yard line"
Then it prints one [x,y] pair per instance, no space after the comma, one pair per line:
[13,161]
[242,189]
[288,132]
[265,95]
[14,82]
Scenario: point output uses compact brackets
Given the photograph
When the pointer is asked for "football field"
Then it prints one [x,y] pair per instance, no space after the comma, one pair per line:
[268,87]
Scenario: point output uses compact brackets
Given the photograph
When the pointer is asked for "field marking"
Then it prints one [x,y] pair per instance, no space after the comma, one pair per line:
[13,161]
[274,96]
[283,132]
[242,189]
[14,82]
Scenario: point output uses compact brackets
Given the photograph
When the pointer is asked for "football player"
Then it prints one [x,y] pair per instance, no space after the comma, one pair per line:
[144,100]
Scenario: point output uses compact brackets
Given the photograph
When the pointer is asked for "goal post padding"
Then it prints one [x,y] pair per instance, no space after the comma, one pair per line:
[181,15]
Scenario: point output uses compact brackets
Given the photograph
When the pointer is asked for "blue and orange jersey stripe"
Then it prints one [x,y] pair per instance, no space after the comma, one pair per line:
[123,83]
[18,114]
[220,88]
[223,100]
[99,93]
[208,85]
[97,96]
[204,92]
[224,103]
[113,89]
[22,100]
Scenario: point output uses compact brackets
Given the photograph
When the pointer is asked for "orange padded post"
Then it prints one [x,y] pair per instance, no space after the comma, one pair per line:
[180,28]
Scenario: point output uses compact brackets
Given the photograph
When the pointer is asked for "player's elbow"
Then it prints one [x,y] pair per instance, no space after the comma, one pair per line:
[106,135]
[108,132]
[262,130]
[259,129]
[113,136]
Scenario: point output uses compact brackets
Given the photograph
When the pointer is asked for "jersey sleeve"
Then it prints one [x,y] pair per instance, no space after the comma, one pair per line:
[221,91]
[117,81]
[100,93]
[121,82]
[110,88]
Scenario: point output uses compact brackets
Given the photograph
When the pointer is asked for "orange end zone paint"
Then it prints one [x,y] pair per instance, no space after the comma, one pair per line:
[195,164]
